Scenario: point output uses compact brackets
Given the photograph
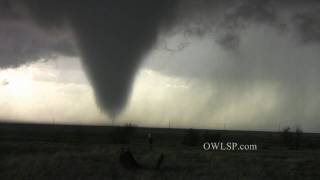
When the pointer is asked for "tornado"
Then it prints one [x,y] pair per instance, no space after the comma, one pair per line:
[112,37]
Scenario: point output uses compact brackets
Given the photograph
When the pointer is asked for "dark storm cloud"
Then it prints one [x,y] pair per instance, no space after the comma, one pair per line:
[229,18]
[224,17]
[114,35]
[22,42]
[308,25]
[227,23]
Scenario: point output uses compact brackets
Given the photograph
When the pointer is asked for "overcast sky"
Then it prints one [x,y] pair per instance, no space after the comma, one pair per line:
[249,65]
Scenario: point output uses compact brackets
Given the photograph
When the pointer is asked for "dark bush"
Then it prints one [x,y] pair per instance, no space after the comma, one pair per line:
[191,138]
[293,140]
[211,137]
[286,136]
[78,135]
[298,138]
[123,134]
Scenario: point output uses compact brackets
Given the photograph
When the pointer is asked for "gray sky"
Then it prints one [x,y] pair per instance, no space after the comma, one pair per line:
[243,64]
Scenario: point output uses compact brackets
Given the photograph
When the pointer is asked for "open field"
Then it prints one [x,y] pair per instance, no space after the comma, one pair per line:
[75,152]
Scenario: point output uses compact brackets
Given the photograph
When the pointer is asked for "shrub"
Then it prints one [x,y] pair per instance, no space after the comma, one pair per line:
[298,138]
[292,140]
[211,137]
[78,135]
[191,138]
[286,136]
[124,134]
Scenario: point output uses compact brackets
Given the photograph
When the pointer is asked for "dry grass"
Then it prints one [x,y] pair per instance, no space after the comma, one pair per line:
[23,161]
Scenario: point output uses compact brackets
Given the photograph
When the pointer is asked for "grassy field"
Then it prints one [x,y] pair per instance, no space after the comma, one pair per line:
[73,152]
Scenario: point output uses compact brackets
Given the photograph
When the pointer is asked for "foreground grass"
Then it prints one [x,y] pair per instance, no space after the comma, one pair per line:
[40,160]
